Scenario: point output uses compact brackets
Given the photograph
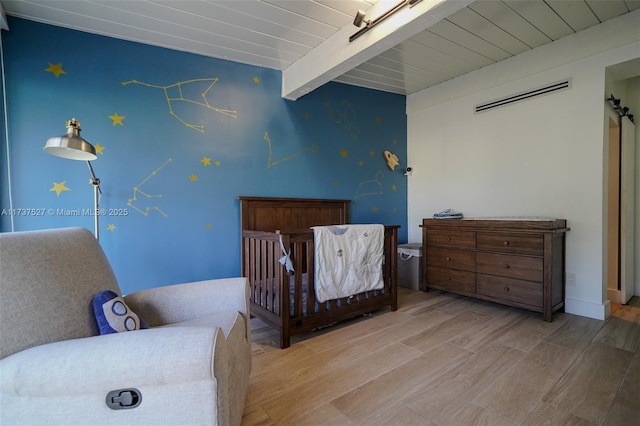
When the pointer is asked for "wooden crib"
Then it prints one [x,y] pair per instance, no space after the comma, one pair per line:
[288,301]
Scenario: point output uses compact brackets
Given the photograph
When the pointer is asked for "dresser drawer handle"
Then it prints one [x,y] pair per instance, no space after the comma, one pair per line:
[449,238]
[507,266]
[448,278]
[448,258]
[506,243]
[506,289]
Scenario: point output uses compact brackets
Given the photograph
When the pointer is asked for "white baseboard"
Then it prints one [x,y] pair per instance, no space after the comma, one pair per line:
[587,309]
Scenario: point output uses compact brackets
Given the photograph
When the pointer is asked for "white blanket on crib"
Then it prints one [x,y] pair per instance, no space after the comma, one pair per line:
[348,260]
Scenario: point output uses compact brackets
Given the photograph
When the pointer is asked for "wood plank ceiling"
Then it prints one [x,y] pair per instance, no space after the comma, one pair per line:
[280,33]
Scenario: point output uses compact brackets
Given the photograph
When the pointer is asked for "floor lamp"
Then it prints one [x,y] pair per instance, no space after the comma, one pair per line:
[73,147]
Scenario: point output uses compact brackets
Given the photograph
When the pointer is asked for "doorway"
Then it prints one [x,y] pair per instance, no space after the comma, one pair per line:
[620,208]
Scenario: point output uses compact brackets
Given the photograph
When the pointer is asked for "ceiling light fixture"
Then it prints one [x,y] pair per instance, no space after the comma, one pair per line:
[360,15]
[359,19]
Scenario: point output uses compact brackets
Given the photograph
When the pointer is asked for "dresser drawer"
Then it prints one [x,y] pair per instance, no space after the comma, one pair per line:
[519,291]
[511,243]
[462,239]
[451,280]
[451,258]
[520,267]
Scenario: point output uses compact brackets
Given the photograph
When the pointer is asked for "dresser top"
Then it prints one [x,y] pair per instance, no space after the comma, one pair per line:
[502,222]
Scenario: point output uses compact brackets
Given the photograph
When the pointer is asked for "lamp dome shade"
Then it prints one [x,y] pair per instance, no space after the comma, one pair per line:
[71,145]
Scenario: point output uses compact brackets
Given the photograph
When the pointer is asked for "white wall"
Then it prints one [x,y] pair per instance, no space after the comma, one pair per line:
[541,157]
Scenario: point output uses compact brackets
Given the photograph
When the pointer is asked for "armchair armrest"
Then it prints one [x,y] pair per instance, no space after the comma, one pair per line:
[184,302]
[181,375]
[140,358]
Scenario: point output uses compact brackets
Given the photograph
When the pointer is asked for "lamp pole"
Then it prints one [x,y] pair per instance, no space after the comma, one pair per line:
[96,201]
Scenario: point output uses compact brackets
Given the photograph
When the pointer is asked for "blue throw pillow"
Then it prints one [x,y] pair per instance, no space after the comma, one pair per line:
[113,315]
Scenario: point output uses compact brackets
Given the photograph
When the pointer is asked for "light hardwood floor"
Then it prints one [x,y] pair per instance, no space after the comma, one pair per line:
[448,360]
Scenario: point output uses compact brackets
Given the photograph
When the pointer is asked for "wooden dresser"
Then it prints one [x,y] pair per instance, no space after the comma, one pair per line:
[516,262]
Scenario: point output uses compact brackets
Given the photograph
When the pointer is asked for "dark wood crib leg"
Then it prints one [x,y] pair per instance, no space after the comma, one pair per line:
[285,339]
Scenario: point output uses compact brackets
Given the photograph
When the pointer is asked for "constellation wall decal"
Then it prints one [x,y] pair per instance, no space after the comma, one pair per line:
[177,95]
[270,163]
[137,190]
[344,117]
[370,187]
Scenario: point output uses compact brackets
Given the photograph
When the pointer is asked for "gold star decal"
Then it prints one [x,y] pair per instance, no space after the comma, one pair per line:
[372,153]
[206,161]
[394,188]
[361,163]
[55,69]
[344,153]
[111,227]
[306,115]
[59,187]
[99,149]
[117,119]
[256,80]
[374,209]
[378,120]
[208,226]
[193,178]
[336,183]
[218,163]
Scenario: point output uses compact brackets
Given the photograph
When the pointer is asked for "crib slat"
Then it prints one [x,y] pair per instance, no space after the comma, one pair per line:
[299,259]
[246,265]
[255,290]
[268,279]
[274,278]
[261,275]
[311,276]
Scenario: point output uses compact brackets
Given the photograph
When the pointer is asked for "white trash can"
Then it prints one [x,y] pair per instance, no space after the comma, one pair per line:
[410,265]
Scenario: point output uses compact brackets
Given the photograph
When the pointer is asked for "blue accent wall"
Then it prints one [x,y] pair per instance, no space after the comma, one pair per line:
[179,137]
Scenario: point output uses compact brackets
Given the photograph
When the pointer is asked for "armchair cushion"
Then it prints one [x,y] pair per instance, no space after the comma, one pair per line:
[113,315]
[47,281]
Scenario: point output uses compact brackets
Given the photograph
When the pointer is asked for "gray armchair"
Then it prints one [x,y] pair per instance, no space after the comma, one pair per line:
[190,367]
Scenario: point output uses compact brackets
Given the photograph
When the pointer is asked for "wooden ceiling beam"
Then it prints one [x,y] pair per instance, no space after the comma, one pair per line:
[336,55]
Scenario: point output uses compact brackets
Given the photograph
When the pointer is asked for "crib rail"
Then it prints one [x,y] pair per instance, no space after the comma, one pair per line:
[288,301]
